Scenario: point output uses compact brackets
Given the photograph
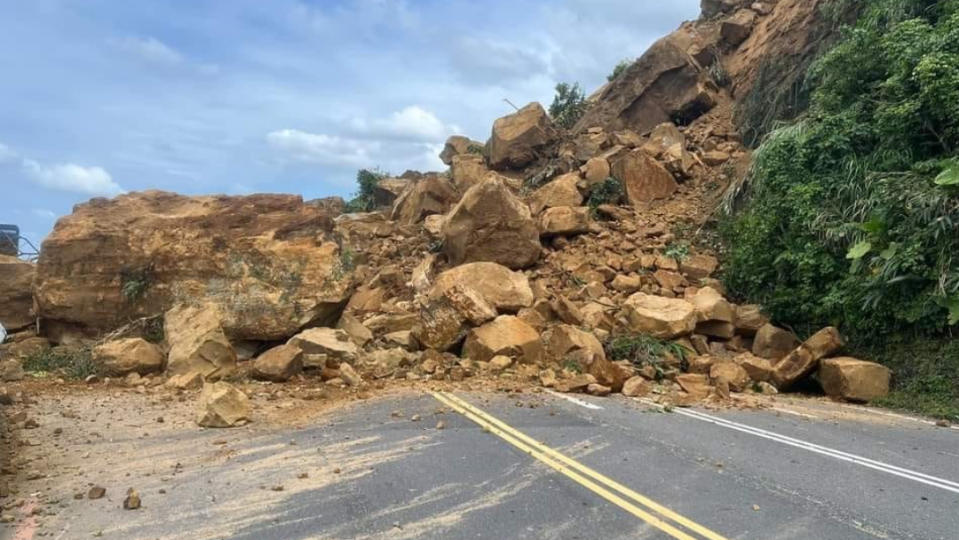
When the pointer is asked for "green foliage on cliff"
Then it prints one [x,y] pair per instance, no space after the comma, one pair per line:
[366,181]
[568,105]
[853,212]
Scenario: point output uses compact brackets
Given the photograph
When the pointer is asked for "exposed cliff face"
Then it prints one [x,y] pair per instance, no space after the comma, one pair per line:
[268,262]
[749,56]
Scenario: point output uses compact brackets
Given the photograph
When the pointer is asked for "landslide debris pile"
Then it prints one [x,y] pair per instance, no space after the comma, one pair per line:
[562,259]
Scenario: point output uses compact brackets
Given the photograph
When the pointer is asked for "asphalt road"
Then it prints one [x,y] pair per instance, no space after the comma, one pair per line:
[547,466]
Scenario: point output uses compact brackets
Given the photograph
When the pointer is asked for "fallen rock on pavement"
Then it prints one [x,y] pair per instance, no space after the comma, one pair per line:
[278,364]
[853,379]
[222,405]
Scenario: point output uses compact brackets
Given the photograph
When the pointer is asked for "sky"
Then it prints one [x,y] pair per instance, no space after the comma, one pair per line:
[102,97]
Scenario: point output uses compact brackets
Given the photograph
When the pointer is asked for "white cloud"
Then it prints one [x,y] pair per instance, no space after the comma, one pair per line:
[321,148]
[412,123]
[150,49]
[7,155]
[72,177]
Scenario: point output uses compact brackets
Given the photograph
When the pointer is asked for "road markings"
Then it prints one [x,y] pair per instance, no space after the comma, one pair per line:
[645,509]
[794,413]
[909,474]
[577,401]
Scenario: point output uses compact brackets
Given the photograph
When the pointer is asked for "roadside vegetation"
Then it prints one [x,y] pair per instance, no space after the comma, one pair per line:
[851,214]
[69,363]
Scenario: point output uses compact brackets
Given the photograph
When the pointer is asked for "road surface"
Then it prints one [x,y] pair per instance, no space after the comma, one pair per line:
[483,465]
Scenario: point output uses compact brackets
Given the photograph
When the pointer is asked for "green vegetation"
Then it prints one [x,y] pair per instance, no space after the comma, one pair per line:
[622,66]
[134,283]
[363,200]
[609,191]
[568,105]
[928,371]
[75,363]
[679,251]
[853,212]
[643,350]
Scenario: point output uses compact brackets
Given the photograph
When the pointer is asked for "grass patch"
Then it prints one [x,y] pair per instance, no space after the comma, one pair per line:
[644,350]
[64,362]
[926,376]
[609,191]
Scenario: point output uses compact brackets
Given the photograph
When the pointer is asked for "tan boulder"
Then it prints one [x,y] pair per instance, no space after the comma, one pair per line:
[667,144]
[11,370]
[222,405]
[519,138]
[773,343]
[559,192]
[645,180]
[131,355]
[501,288]
[429,195]
[698,267]
[853,379]
[491,224]
[360,334]
[467,171]
[711,306]
[694,384]
[758,369]
[270,264]
[16,293]
[805,359]
[458,145]
[197,343]
[750,319]
[441,325]
[669,280]
[567,343]
[278,364]
[595,170]
[731,374]
[664,318]
[715,158]
[636,387]
[505,335]
[564,221]
[737,28]
[716,329]
[322,345]
[626,283]
[387,190]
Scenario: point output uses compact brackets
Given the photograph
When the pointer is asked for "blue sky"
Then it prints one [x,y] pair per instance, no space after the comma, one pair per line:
[242,96]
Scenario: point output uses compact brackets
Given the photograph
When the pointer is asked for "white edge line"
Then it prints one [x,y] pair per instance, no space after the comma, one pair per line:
[916,476]
[794,413]
[577,401]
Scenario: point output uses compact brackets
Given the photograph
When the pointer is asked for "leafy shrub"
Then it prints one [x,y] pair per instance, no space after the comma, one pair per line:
[846,223]
[70,363]
[366,181]
[609,191]
[622,66]
[134,283]
[642,350]
[568,105]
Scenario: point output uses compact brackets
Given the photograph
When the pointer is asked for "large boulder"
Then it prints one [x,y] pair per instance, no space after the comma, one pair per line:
[491,224]
[505,335]
[270,263]
[773,343]
[519,138]
[660,317]
[559,192]
[501,288]
[16,293]
[222,405]
[197,343]
[805,359]
[278,364]
[131,355]
[459,145]
[567,343]
[321,345]
[429,195]
[664,84]
[737,28]
[564,221]
[853,379]
[468,170]
[644,178]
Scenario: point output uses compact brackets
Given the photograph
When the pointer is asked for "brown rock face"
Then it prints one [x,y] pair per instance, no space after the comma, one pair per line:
[853,379]
[467,171]
[519,138]
[645,179]
[501,288]
[804,359]
[564,221]
[737,28]
[132,355]
[320,345]
[664,318]
[16,293]
[505,335]
[567,343]
[559,192]
[222,405]
[278,364]
[268,262]
[773,343]
[197,342]
[432,194]
[491,224]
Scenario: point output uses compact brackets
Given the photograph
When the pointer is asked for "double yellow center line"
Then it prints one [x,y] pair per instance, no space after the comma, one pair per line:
[638,505]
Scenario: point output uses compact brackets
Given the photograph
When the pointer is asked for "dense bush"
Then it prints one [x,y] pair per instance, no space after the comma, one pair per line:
[568,105]
[366,181]
[853,215]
